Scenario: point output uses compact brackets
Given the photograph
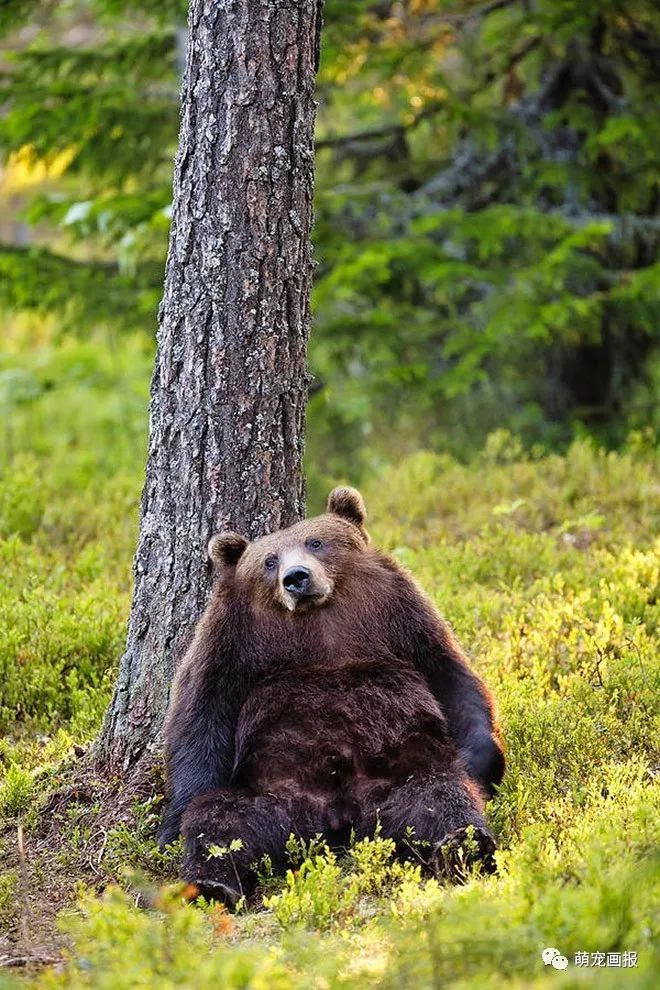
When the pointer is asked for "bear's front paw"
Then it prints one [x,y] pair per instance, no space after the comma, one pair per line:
[212,891]
[462,852]
[484,761]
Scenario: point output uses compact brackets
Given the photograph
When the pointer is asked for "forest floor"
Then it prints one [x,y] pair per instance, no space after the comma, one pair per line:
[548,567]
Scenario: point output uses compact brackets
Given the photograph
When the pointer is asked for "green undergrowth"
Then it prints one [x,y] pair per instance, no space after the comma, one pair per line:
[548,567]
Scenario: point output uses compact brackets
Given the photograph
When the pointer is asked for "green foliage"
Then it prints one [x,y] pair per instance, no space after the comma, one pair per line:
[124,132]
[129,851]
[61,616]
[120,947]
[591,891]
[15,12]
[486,196]
[16,792]
[467,279]
[70,478]
[39,280]
[8,892]
[323,893]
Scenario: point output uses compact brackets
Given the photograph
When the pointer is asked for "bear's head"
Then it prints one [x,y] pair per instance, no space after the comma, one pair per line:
[298,568]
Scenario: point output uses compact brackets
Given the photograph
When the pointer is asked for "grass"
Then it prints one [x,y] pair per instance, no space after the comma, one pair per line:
[548,567]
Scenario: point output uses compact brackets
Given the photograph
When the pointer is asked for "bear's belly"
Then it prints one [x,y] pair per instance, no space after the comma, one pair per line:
[366,726]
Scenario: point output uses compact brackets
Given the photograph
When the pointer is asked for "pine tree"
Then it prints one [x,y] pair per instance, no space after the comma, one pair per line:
[230,383]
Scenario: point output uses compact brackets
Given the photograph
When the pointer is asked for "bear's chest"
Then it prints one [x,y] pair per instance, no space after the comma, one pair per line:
[362,724]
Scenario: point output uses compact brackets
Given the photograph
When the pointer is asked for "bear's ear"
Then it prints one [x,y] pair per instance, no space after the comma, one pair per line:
[226,549]
[349,504]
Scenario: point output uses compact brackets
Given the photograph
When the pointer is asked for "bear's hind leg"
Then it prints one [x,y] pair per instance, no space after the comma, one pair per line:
[214,820]
[437,818]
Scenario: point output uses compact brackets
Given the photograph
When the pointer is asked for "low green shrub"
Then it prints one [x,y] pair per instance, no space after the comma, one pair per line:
[16,791]
[8,898]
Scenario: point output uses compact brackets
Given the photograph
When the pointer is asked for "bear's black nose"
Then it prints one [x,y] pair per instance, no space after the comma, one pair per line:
[296,581]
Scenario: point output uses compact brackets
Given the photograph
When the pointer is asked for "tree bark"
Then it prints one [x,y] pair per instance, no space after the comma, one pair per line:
[230,382]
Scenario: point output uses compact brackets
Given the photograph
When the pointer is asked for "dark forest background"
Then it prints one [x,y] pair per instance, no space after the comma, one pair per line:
[486,218]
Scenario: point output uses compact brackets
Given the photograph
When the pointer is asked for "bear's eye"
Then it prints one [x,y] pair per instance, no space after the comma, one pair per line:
[314,544]
[270,563]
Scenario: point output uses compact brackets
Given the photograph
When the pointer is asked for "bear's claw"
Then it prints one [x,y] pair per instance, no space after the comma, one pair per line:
[211,891]
[457,855]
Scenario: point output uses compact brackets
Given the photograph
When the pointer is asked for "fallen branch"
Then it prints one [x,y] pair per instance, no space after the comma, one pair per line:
[17,962]
[375,133]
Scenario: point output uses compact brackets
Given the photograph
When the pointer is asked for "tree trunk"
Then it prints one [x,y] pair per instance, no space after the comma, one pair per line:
[230,382]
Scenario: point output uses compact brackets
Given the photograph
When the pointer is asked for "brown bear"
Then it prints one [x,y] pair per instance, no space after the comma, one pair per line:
[323,693]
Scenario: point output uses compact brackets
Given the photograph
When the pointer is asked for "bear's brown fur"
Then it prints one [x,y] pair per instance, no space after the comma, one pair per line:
[322,691]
